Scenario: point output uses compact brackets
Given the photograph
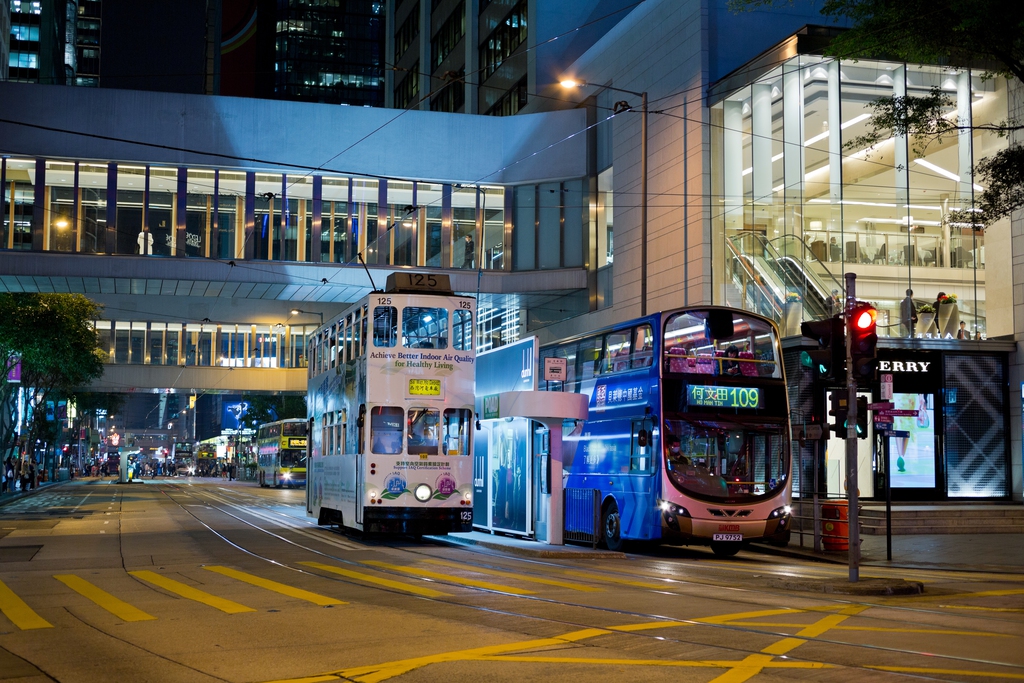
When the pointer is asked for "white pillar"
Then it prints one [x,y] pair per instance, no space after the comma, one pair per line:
[732,164]
[793,143]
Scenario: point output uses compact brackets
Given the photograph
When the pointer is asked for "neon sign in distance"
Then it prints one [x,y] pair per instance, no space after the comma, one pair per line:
[723,397]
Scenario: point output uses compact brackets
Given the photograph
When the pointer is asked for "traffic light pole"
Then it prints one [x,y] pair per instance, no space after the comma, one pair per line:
[852,492]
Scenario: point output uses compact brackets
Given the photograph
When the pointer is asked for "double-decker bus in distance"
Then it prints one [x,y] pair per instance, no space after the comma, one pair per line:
[688,436]
[391,393]
[281,453]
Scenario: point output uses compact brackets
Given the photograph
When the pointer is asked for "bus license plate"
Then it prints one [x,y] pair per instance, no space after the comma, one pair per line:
[727,537]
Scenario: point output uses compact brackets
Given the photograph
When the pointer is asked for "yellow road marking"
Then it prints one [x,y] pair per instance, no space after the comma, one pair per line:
[20,614]
[119,608]
[624,582]
[882,629]
[945,672]
[281,588]
[727,618]
[982,609]
[368,578]
[521,577]
[448,577]
[717,664]
[191,593]
[629,628]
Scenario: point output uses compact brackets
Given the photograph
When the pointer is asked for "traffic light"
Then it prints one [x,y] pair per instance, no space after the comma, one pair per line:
[862,417]
[837,402]
[863,340]
[828,361]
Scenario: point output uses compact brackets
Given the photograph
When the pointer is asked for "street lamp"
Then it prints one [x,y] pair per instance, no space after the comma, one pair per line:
[572,83]
[296,311]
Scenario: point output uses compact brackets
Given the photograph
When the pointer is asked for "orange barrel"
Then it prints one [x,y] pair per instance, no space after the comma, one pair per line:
[835,525]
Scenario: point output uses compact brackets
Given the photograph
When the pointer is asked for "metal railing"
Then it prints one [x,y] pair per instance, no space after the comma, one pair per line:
[582,516]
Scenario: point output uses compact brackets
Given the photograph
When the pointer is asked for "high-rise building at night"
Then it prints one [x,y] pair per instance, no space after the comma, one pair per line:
[37,39]
[88,22]
[313,51]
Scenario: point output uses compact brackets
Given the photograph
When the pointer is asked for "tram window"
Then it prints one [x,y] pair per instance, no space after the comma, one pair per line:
[423,431]
[643,347]
[385,326]
[457,431]
[362,332]
[424,328]
[462,330]
[616,352]
[386,430]
[334,347]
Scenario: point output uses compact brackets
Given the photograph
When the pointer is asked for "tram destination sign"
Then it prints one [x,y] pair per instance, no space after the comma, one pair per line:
[723,397]
[424,387]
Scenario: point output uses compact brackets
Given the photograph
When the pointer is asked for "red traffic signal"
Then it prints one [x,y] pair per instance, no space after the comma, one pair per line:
[864,317]
[863,340]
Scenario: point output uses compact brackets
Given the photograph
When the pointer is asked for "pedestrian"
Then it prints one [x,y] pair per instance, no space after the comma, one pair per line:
[963,332]
[469,254]
[32,475]
[908,315]
[25,471]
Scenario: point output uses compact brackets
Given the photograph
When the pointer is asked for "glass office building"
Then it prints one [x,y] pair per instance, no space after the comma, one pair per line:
[795,204]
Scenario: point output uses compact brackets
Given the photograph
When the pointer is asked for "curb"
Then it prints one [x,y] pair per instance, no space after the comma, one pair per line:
[542,551]
[8,498]
[862,587]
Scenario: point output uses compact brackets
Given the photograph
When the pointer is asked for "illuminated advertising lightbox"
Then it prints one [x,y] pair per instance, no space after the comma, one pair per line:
[723,397]
[912,457]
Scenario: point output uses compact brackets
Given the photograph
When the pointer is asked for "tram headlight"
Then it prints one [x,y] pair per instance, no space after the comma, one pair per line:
[373,495]
[422,493]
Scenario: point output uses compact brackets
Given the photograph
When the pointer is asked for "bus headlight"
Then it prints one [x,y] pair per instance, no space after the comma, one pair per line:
[286,475]
[422,493]
[783,511]
[671,509]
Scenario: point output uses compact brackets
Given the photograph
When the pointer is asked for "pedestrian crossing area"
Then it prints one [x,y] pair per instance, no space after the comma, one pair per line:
[340,585]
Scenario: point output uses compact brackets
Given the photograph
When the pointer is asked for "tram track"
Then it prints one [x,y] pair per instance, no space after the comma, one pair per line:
[219,504]
[672,582]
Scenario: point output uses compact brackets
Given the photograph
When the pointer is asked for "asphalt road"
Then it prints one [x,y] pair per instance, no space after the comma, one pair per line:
[204,580]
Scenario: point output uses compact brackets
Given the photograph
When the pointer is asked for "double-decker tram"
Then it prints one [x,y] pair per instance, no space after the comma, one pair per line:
[281,453]
[391,392]
[688,437]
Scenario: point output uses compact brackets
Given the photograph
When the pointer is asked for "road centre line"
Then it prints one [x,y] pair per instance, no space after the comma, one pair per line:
[513,575]
[18,611]
[119,608]
[281,588]
[368,578]
[448,577]
[190,593]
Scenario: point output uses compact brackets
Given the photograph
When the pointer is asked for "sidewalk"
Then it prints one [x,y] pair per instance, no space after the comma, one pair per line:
[9,497]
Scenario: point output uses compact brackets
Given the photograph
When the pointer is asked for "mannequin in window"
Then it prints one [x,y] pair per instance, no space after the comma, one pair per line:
[145,242]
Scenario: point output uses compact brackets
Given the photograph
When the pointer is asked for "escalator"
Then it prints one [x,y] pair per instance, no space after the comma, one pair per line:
[790,265]
[754,288]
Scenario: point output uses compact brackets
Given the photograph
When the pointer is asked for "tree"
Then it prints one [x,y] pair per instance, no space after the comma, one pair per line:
[52,336]
[265,408]
[986,34]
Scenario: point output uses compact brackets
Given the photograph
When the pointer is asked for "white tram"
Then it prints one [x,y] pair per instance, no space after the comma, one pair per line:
[390,400]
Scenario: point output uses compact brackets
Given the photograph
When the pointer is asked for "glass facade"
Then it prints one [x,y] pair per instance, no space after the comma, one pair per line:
[130,209]
[795,207]
[203,344]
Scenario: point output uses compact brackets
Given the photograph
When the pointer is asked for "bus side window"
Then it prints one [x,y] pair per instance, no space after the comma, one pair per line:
[568,352]
[616,352]
[643,347]
[588,357]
